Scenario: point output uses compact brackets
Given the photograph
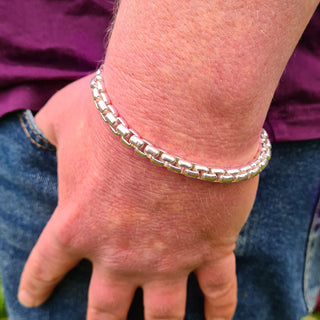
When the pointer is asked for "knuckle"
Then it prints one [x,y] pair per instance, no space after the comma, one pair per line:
[100,313]
[211,285]
[65,233]
[39,272]
[222,303]
[63,236]
[95,312]
[218,291]
[220,278]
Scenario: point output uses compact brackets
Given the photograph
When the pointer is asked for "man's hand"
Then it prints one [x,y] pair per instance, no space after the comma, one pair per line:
[199,71]
[139,225]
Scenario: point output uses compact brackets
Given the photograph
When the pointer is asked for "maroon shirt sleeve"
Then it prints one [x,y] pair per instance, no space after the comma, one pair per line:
[46,44]
[295,109]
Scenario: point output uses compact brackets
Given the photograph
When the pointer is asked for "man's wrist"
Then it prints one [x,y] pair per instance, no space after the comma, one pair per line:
[177,97]
[198,78]
[172,162]
[182,126]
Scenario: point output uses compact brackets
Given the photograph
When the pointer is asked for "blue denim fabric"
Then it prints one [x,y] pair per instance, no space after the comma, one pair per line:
[278,256]
[278,251]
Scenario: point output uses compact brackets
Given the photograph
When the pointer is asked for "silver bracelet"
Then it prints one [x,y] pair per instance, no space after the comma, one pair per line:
[174,163]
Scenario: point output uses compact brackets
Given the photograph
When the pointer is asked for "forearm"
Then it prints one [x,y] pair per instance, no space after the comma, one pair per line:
[196,78]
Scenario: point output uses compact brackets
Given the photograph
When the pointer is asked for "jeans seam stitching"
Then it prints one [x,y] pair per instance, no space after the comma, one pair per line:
[34,131]
[29,136]
[307,257]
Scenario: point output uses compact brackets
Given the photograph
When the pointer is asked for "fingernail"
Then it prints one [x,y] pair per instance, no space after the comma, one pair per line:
[26,299]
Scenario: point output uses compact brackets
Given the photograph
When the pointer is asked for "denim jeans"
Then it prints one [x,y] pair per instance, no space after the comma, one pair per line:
[278,250]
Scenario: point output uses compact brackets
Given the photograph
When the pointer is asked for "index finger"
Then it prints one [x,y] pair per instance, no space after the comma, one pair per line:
[47,264]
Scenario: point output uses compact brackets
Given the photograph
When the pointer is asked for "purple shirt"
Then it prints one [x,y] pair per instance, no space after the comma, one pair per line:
[45,44]
[295,109]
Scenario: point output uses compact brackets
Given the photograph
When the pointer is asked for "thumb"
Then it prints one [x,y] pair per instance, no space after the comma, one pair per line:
[218,283]
[47,264]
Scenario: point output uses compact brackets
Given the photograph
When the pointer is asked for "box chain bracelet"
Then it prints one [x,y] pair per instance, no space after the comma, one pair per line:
[173,163]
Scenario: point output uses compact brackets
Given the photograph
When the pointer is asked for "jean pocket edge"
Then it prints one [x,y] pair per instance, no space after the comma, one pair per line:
[32,131]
